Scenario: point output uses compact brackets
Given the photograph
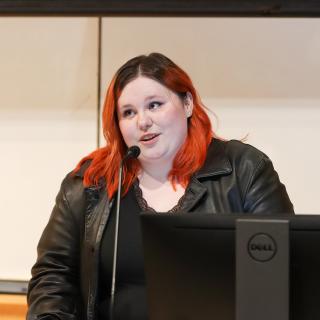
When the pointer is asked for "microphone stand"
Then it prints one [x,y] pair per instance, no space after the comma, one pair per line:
[132,152]
[115,248]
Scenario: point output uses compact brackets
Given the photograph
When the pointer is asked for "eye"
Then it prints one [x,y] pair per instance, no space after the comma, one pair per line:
[154,105]
[127,113]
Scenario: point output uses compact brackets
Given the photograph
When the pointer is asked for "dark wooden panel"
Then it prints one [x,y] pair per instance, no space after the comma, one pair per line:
[245,8]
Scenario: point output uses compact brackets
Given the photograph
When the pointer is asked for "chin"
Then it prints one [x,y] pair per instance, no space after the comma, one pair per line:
[152,156]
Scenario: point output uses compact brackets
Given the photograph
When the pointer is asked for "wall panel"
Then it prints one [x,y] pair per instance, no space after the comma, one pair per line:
[258,76]
[48,112]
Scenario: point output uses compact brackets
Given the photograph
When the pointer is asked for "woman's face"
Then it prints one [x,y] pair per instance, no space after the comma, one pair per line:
[154,118]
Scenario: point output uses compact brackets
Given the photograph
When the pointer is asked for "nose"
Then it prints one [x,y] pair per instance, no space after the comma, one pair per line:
[144,121]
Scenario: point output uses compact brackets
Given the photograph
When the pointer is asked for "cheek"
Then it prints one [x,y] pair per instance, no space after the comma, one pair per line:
[177,122]
[126,130]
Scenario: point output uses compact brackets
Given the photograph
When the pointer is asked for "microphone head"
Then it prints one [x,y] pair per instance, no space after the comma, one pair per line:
[133,152]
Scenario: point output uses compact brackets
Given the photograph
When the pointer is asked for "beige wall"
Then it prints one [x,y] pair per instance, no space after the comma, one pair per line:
[259,76]
[48,110]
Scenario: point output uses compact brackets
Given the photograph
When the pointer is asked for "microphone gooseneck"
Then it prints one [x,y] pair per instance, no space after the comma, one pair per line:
[132,152]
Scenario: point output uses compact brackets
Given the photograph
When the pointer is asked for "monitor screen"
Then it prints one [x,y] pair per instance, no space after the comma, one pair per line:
[190,265]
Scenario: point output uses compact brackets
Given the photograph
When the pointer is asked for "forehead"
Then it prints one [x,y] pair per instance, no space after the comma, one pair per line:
[142,88]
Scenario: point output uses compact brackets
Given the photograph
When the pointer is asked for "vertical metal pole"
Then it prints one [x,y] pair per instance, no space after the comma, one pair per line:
[115,248]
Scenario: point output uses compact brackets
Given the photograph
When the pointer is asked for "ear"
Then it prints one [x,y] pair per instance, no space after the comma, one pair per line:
[188,104]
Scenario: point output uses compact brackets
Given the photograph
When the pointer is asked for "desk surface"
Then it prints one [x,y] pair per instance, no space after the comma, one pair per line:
[13,306]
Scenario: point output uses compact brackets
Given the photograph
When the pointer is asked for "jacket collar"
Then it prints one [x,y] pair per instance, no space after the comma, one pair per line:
[217,162]
[83,168]
[93,192]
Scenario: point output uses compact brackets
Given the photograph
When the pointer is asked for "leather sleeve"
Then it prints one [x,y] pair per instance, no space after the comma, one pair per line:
[264,191]
[54,289]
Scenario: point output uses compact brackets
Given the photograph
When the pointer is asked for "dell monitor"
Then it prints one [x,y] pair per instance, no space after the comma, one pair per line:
[196,266]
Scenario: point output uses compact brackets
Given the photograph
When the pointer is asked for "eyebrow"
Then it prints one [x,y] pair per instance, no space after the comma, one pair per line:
[148,98]
[151,97]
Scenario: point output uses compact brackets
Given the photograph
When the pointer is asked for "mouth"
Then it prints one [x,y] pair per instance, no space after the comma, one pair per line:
[149,137]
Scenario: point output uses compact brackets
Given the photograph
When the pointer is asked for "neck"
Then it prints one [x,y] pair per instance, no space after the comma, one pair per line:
[154,175]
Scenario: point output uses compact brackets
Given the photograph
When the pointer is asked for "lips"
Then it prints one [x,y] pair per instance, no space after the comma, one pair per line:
[149,137]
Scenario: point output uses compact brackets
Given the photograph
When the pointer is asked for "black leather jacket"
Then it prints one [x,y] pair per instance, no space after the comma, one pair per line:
[235,178]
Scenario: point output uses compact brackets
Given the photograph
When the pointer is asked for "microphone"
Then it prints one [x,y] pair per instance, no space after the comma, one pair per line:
[132,152]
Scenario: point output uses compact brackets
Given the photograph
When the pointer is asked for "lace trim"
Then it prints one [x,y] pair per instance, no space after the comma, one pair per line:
[143,204]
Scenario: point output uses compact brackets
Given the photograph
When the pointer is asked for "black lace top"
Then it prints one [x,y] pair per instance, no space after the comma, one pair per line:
[144,205]
[130,296]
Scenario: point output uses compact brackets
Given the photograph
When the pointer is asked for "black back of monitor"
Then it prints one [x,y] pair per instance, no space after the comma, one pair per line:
[190,262]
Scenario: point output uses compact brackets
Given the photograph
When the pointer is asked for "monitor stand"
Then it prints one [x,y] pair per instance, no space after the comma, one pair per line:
[262,269]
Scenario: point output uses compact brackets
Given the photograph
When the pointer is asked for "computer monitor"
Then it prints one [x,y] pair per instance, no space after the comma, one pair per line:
[190,264]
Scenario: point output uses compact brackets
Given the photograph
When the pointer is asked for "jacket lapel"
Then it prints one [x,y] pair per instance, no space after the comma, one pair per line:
[193,195]
[216,164]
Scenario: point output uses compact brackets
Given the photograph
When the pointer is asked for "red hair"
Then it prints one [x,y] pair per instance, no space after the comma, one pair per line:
[191,156]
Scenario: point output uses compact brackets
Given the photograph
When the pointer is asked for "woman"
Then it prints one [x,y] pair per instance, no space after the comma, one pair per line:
[151,103]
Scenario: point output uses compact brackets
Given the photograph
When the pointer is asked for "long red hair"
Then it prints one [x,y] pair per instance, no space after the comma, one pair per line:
[105,161]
